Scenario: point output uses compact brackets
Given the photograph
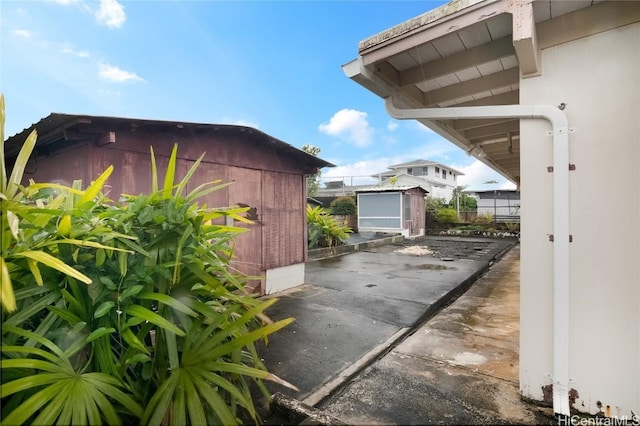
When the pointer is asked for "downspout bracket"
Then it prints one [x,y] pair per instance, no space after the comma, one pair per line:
[561,130]
[572,167]
[552,238]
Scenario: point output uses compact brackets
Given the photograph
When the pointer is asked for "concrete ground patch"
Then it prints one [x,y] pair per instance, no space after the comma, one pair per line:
[354,308]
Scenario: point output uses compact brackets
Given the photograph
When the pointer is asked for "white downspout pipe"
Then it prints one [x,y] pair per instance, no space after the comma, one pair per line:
[561,269]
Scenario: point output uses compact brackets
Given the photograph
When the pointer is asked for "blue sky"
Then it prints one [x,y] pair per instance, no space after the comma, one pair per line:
[272,65]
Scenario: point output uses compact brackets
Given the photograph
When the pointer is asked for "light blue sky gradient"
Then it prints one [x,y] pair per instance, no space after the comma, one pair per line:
[273,65]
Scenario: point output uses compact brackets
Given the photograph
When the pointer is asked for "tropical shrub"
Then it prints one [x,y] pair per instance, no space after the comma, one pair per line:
[485,218]
[446,215]
[124,313]
[323,230]
[343,206]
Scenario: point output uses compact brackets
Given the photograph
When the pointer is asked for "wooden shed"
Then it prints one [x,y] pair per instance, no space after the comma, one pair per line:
[394,208]
[268,175]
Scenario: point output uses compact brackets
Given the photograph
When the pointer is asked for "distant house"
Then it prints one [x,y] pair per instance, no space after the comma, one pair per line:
[501,204]
[268,176]
[397,207]
[440,179]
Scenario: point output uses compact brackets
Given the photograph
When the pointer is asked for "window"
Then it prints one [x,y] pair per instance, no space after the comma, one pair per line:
[417,171]
[444,174]
[380,210]
[407,206]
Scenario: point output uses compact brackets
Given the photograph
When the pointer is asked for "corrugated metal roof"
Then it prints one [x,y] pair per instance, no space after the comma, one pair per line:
[395,188]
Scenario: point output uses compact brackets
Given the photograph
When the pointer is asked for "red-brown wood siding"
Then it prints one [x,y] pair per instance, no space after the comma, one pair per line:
[284,219]
[417,210]
[62,167]
[264,178]
[247,189]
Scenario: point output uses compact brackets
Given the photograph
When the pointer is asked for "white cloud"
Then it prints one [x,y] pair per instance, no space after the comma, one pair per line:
[477,173]
[392,125]
[22,33]
[79,53]
[117,75]
[110,13]
[351,126]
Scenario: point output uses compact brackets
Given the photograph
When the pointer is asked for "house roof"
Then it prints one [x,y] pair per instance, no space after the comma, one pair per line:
[419,163]
[58,127]
[402,182]
[415,163]
[473,53]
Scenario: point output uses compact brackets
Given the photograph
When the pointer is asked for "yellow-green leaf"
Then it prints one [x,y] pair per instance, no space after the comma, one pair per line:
[14,223]
[152,317]
[35,271]
[170,174]
[154,172]
[20,164]
[64,225]
[54,263]
[7,297]
[96,186]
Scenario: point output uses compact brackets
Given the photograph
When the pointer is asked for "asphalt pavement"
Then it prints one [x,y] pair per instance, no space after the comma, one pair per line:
[352,313]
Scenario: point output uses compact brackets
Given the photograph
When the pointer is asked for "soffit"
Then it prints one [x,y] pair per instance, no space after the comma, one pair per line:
[465,53]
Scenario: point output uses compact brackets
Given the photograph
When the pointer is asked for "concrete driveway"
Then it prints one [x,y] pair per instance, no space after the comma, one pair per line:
[353,308]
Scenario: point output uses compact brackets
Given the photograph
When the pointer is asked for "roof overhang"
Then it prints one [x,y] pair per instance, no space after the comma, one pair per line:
[475,53]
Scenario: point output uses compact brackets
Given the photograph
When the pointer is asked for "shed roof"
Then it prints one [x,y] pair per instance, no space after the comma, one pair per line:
[57,126]
[473,53]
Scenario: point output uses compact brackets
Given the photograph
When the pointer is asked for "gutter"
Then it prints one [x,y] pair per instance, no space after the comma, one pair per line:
[561,219]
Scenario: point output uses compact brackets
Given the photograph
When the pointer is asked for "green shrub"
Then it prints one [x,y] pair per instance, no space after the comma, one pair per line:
[446,215]
[512,226]
[323,230]
[434,204]
[484,218]
[343,206]
[124,313]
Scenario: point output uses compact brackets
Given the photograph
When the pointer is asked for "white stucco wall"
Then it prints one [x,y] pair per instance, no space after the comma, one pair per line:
[599,79]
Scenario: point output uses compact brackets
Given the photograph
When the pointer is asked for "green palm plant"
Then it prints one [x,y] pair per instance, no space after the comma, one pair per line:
[323,230]
[163,334]
[191,325]
[14,244]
